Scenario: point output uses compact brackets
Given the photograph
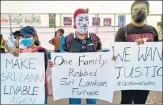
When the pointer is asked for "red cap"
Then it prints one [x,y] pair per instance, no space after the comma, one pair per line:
[79,11]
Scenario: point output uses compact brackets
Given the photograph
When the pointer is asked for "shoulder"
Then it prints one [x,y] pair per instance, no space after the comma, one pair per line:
[94,36]
[69,36]
[150,27]
[41,49]
[123,29]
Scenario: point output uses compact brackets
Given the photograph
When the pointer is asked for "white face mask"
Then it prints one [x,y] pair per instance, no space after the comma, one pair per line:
[82,22]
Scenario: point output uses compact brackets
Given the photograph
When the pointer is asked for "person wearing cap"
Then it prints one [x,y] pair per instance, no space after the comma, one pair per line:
[159,30]
[81,41]
[28,33]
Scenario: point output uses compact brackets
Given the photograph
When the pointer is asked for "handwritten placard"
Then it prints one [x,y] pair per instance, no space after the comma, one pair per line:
[22,79]
[83,75]
[138,66]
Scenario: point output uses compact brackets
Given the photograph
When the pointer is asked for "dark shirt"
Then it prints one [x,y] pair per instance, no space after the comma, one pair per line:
[134,33]
[85,45]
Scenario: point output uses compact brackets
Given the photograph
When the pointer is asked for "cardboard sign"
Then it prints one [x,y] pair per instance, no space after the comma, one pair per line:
[22,79]
[138,67]
[83,75]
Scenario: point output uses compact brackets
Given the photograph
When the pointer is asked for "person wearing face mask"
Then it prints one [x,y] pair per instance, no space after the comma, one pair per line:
[11,42]
[139,32]
[62,38]
[56,41]
[28,33]
[17,35]
[82,41]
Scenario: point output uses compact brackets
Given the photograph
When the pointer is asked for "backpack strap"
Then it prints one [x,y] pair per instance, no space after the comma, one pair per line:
[94,39]
[126,32]
[68,40]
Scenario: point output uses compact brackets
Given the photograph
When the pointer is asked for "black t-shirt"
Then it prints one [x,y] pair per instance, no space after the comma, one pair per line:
[130,33]
[85,45]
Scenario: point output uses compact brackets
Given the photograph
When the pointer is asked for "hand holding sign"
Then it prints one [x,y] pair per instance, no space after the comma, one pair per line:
[138,67]
[85,75]
[22,79]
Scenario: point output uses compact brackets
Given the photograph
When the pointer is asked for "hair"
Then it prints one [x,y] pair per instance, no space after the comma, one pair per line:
[55,33]
[1,35]
[140,2]
[17,32]
[61,30]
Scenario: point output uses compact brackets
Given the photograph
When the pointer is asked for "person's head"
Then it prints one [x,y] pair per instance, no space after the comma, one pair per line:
[1,37]
[60,32]
[139,10]
[18,34]
[56,32]
[81,20]
[28,33]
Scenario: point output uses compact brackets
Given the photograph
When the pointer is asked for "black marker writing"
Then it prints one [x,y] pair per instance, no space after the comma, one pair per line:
[59,60]
[149,53]
[77,91]
[124,56]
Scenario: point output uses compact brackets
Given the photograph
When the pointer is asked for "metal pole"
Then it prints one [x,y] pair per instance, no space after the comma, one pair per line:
[10,24]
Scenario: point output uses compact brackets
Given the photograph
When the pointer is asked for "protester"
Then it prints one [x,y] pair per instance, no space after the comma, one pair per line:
[62,38]
[56,42]
[159,30]
[2,44]
[11,42]
[17,35]
[81,41]
[28,33]
[136,31]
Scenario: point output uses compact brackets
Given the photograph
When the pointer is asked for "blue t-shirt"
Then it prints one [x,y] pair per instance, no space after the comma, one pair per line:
[61,43]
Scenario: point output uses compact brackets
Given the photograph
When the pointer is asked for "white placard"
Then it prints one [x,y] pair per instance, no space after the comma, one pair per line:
[138,67]
[83,75]
[22,79]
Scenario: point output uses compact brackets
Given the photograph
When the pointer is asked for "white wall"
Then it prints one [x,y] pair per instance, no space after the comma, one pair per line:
[71,6]
[45,34]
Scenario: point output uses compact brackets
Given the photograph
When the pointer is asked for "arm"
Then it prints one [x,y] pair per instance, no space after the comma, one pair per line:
[120,35]
[51,41]
[99,45]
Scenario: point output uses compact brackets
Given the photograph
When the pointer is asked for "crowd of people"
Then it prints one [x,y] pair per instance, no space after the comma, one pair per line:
[27,40]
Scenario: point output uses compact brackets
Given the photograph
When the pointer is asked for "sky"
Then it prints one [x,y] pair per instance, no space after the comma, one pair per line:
[71,6]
